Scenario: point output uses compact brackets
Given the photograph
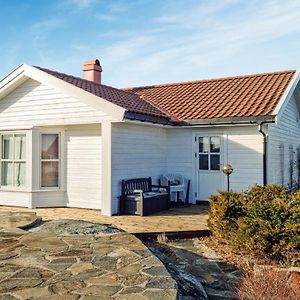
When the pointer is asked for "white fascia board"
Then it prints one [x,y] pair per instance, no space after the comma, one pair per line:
[286,95]
[23,72]
[10,76]
[12,80]
[96,102]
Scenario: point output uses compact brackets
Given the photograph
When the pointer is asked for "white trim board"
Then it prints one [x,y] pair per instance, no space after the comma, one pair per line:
[23,72]
[287,94]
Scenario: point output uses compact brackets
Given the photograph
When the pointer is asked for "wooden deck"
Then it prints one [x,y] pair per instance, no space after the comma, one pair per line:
[190,218]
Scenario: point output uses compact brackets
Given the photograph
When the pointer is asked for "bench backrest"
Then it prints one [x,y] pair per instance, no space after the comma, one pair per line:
[144,184]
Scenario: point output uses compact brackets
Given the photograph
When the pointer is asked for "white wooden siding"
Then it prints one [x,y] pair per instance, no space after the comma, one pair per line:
[242,147]
[142,151]
[48,199]
[35,104]
[286,133]
[81,159]
[245,154]
[15,198]
[137,151]
[83,148]
[180,155]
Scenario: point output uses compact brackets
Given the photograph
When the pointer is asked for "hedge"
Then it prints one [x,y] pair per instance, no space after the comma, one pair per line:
[264,222]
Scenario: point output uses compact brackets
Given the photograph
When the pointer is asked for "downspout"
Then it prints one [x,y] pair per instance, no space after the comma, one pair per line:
[265,140]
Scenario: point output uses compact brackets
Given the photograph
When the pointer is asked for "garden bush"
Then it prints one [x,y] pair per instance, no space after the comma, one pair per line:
[266,284]
[264,221]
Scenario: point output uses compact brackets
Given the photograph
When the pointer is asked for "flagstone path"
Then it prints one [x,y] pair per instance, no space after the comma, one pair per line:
[199,271]
[44,265]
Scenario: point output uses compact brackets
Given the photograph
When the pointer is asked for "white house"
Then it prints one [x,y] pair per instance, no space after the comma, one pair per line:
[67,141]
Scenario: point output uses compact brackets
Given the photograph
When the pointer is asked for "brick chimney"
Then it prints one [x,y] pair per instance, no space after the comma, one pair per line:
[92,70]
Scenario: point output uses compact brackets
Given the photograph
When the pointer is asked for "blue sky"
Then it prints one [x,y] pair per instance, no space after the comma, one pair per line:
[142,42]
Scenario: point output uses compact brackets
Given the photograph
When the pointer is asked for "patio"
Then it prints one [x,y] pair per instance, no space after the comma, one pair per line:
[191,218]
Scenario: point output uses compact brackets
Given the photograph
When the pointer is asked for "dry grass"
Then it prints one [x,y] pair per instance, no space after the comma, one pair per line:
[162,238]
[237,258]
[266,284]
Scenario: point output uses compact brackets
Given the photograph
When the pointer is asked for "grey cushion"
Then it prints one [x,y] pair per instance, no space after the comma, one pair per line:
[146,195]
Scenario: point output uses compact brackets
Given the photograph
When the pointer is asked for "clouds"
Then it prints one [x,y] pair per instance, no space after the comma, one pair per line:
[45,25]
[106,17]
[141,42]
[80,4]
[207,39]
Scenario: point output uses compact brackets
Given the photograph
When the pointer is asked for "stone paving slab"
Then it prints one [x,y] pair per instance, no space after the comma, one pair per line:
[20,219]
[41,265]
[194,265]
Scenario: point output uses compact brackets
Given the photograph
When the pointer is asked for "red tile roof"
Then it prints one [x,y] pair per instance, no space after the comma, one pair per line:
[242,96]
[130,101]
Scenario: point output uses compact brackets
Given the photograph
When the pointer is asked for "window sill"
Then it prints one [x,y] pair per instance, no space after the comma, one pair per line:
[210,171]
[11,189]
[48,190]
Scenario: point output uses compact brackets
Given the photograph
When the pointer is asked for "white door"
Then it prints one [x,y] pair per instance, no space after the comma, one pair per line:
[210,177]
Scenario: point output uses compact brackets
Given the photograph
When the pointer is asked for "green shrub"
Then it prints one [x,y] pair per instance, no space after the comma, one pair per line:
[265,221]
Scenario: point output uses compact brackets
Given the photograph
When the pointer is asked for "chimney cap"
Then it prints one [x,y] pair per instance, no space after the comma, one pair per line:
[93,64]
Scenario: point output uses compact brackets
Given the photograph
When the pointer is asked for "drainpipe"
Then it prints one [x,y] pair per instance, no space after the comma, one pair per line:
[265,137]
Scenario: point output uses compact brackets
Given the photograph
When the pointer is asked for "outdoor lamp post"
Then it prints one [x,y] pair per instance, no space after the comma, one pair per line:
[227,170]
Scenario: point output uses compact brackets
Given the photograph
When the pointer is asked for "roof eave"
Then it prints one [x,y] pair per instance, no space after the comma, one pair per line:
[233,120]
[151,119]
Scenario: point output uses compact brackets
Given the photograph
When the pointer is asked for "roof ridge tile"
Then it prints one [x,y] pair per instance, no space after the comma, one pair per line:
[208,80]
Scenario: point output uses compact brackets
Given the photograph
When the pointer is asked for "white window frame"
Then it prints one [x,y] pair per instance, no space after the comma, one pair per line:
[209,153]
[58,187]
[13,161]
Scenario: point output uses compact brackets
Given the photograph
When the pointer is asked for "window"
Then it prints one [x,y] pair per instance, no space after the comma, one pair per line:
[13,160]
[209,153]
[50,160]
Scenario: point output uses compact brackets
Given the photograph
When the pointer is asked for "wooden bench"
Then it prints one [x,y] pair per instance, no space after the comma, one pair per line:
[141,197]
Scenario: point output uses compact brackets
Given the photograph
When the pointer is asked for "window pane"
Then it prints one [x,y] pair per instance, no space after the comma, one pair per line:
[49,174]
[215,162]
[203,161]
[203,144]
[6,178]
[49,146]
[214,144]
[20,146]
[20,171]
[7,147]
